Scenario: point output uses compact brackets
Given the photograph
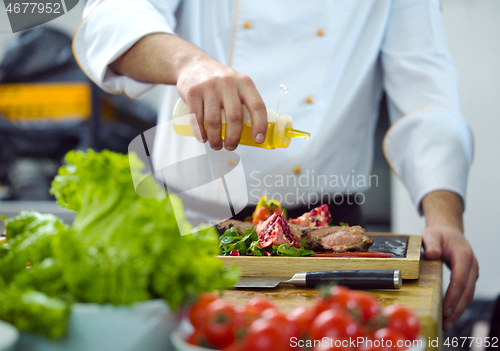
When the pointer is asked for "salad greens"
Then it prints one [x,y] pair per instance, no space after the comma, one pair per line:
[248,244]
[120,249]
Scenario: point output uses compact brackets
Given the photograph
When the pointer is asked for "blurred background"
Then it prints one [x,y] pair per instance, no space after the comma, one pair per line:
[48,106]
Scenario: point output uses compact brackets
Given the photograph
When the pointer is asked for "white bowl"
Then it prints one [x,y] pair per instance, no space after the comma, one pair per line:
[143,326]
[8,337]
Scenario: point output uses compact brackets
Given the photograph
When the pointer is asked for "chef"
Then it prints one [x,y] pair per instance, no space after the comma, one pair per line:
[336,58]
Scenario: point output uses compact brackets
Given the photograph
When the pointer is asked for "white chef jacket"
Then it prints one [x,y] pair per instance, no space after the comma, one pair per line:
[336,58]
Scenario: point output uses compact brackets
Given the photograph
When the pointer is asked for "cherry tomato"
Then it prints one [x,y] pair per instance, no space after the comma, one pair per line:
[245,316]
[339,298]
[386,339]
[261,214]
[277,210]
[219,323]
[330,345]
[198,338]
[368,304]
[403,320]
[236,346]
[334,323]
[198,312]
[264,335]
[261,304]
[302,317]
[288,328]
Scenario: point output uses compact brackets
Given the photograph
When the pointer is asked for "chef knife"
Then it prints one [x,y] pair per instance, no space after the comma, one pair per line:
[354,279]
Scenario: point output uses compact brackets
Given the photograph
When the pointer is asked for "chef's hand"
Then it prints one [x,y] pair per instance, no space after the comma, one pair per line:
[443,239]
[204,84]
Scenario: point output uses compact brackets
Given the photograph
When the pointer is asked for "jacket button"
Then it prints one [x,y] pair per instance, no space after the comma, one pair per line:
[320,32]
[247,25]
[309,99]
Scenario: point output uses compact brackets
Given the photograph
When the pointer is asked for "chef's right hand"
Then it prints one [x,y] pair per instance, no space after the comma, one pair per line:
[206,86]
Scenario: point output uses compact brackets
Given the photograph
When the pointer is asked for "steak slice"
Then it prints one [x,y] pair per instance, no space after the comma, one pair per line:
[229,223]
[335,239]
[338,239]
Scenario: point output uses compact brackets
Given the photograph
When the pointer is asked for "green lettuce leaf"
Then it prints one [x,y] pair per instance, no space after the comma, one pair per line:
[248,244]
[120,249]
[33,311]
[29,239]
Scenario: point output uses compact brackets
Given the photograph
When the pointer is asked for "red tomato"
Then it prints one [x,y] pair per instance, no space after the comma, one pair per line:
[277,210]
[330,345]
[264,335]
[261,304]
[403,320]
[368,304]
[198,312]
[302,317]
[288,328]
[245,315]
[234,347]
[261,214]
[386,339]
[340,297]
[251,313]
[198,338]
[219,323]
[334,323]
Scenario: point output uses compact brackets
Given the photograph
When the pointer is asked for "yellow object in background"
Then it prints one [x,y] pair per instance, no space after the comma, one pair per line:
[47,101]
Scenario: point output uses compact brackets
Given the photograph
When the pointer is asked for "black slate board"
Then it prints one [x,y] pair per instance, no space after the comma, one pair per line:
[390,244]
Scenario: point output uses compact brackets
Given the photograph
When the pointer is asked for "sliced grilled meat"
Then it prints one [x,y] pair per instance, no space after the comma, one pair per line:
[339,239]
[229,223]
[336,239]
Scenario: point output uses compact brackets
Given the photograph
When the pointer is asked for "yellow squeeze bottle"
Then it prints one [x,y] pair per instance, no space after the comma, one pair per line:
[279,127]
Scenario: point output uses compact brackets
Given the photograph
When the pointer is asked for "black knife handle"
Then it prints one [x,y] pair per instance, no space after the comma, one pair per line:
[356,279]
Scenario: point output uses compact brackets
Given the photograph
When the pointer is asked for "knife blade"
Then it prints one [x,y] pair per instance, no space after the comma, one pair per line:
[354,279]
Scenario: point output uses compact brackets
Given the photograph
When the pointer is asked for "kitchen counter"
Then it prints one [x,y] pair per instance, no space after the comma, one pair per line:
[423,295]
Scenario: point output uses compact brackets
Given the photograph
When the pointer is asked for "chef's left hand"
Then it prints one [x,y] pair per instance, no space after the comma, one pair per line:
[443,239]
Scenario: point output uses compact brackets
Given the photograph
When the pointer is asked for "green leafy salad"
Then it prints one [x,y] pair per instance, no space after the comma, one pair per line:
[121,248]
[248,244]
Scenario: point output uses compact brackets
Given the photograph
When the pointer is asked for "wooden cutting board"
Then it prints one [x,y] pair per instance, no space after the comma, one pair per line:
[407,260]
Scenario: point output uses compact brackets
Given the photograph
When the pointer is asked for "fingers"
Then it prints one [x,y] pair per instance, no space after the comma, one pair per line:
[195,105]
[207,87]
[458,282]
[234,118]
[255,105]
[212,119]
[449,244]
[464,274]
[432,243]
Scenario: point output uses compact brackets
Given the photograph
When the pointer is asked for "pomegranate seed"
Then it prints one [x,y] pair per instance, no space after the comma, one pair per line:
[268,253]
[235,253]
[297,245]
